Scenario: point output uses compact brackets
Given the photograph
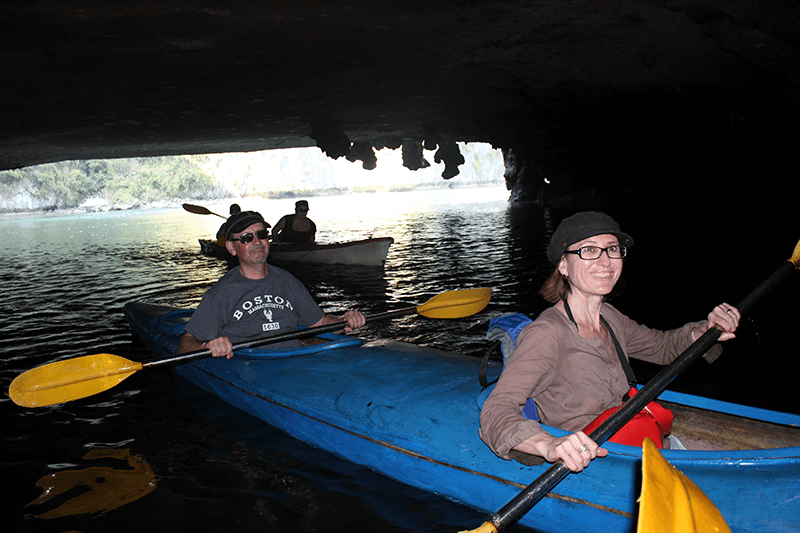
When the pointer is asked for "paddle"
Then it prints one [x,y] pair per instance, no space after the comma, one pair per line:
[534,492]
[80,377]
[198,210]
[670,501]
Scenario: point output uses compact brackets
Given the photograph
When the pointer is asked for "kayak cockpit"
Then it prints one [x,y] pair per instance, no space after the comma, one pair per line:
[704,429]
[173,324]
[710,425]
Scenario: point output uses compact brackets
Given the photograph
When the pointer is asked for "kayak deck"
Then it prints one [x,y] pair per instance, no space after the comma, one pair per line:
[703,429]
[412,413]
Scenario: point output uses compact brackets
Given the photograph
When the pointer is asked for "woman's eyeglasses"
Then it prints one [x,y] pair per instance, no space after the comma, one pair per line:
[590,253]
[262,234]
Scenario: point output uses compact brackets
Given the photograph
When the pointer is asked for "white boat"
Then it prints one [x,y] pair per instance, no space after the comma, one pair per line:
[367,252]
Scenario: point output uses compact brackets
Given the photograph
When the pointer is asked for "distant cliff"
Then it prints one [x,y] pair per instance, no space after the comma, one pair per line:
[130,183]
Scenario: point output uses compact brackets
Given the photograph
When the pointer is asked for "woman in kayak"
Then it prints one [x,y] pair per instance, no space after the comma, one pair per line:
[297,227]
[567,360]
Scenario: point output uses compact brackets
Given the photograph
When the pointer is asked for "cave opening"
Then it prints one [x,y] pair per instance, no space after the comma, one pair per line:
[127,183]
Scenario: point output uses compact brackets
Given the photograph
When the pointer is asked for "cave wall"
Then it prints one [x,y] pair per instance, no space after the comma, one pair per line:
[669,148]
[600,98]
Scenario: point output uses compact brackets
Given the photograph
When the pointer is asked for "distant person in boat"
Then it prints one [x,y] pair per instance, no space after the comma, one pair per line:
[566,360]
[234,209]
[255,299]
[297,227]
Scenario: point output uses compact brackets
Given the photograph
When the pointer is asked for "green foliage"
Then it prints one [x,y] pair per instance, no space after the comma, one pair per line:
[69,183]
[65,183]
[10,181]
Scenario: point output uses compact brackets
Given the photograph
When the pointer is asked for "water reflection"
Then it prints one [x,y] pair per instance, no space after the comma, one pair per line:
[95,490]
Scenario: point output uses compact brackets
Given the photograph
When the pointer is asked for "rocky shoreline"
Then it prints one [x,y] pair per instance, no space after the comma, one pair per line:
[100,205]
[95,205]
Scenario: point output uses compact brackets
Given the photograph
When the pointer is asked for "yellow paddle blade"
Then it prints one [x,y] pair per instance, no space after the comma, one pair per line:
[71,379]
[671,502]
[486,527]
[456,304]
[796,256]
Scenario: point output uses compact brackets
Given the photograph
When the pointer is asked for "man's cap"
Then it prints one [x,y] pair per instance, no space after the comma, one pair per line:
[582,226]
[301,203]
[241,221]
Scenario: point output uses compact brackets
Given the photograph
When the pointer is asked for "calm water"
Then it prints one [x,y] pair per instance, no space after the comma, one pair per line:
[65,279]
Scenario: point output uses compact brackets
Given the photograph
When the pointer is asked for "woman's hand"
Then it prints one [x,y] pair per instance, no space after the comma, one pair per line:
[576,451]
[725,317]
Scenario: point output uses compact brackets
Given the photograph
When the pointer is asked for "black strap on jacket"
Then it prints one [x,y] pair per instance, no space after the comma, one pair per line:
[626,365]
[482,371]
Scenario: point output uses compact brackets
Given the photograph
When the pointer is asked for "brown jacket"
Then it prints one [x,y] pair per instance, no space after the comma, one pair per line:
[571,379]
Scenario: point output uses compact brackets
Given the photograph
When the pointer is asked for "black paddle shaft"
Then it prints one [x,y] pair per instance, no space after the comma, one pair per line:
[534,492]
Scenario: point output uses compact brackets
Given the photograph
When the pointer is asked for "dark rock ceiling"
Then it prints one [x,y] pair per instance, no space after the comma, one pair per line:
[672,94]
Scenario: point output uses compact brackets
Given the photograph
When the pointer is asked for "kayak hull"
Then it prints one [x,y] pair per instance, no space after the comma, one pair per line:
[366,252]
[411,413]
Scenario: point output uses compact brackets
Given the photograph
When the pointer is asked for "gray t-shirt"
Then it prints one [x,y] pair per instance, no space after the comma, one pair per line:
[244,309]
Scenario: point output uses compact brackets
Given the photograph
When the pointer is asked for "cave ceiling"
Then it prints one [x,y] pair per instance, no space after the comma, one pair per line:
[574,89]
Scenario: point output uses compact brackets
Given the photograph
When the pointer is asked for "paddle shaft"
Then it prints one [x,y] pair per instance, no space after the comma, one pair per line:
[534,492]
[292,335]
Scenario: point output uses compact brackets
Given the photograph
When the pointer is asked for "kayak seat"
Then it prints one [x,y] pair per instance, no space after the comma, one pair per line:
[503,331]
[172,323]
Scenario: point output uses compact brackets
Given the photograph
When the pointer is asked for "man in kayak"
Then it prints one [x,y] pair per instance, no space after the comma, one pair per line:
[572,360]
[297,227]
[255,299]
[234,208]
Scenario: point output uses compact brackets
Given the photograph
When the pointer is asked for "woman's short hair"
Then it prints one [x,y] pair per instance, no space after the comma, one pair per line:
[555,288]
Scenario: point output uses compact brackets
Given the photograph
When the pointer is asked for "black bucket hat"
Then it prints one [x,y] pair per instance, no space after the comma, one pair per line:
[240,221]
[582,226]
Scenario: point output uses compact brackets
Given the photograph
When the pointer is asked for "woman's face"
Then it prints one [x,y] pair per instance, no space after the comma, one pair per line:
[595,277]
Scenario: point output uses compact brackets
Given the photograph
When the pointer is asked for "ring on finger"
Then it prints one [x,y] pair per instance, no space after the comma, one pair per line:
[583,449]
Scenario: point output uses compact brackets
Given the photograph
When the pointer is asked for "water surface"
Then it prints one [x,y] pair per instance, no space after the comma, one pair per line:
[65,279]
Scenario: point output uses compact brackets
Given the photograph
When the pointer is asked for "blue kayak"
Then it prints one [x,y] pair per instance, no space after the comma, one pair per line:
[412,413]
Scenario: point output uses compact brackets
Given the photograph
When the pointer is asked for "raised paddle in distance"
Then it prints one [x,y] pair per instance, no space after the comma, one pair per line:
[533,493]
[80,377]
[199,210]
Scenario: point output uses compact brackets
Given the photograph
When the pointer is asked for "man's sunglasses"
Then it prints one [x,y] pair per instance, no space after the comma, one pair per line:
[262,234]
